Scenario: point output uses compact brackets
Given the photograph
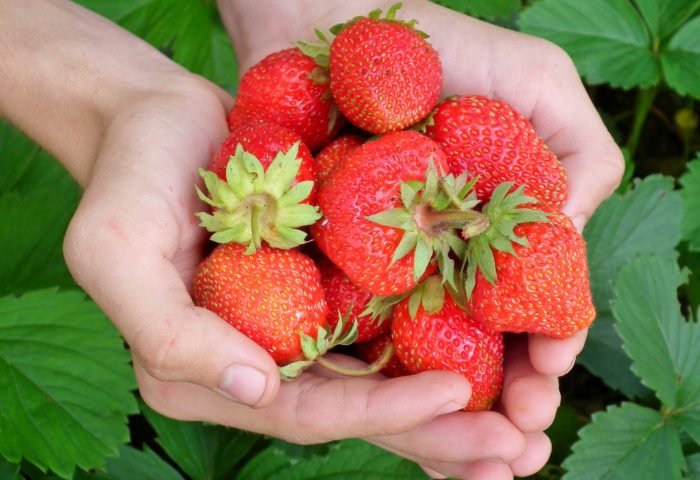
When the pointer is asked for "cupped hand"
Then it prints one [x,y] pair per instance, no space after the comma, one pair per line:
[134,244]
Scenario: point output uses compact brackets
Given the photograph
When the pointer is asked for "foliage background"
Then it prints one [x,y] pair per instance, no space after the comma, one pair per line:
[631,408]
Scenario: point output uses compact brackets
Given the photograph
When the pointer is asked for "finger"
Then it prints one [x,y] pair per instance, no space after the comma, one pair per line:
[458,438]
[537,452]
[571,127]
[432,473]
[312,409]
[530,399]
[552,356]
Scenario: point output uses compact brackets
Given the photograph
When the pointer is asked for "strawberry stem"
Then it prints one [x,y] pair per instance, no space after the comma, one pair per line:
[370,369]
[435,223]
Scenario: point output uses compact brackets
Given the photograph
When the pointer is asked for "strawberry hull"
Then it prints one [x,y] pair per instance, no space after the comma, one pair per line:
[367,183]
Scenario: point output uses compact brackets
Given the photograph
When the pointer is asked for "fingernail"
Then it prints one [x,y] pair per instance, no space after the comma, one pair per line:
[433,474]
[579,222]
[450,407]
[243,384]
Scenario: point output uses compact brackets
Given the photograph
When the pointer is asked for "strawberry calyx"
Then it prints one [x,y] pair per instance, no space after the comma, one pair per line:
[429,294]
[506,209]
[255,204]
[314,348]
[390,16]
[319,52]
[431,214]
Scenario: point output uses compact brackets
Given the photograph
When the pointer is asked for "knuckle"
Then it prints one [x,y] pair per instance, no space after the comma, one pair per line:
[157,349]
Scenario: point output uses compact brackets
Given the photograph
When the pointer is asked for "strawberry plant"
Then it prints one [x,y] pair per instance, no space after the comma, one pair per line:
[69,406]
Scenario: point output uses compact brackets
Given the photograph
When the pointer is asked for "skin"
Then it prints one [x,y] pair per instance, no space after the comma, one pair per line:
[120,122]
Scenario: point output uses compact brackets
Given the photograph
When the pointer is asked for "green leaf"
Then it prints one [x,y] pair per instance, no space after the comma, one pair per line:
[690,193]
[681,60]
[346,460]
[9,471]
[626,442]
[607,39]
[204,452]
[645,220]
[142,465]
[489,9]
[661,343]
[37,200]
[65,382]
[693,462]
[189,31]
[665,16]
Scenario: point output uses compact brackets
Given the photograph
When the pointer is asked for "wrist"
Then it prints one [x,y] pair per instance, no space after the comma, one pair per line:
[66,74]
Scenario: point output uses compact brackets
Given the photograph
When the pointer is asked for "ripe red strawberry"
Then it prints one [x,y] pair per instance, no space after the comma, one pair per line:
[489,139]
[271,296]
[542,287]
[330,157]
[371,350]
[265,140]
[289,89]
[368,184]
[451,340]
[261,186]
[384,75]
[345,297]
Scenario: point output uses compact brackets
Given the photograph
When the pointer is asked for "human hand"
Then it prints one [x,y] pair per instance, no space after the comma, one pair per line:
[132,127]
[541,82]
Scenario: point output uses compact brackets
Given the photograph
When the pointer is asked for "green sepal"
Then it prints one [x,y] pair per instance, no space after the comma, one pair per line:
[255,204]
[377,15]
[431,214]
[314,348]
[319,51]
[506,210]
[381,308]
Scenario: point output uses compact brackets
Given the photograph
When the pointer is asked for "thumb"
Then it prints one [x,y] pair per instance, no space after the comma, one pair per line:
[142,292]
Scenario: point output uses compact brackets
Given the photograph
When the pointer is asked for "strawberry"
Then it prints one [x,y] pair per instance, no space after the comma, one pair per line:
[290,89]
[265,140]
[384,75]
[261,186]
[371,350]
[330,157]
[490,140]
[270,296]
[381,206]
[346,298]
[540,285]
[449,339]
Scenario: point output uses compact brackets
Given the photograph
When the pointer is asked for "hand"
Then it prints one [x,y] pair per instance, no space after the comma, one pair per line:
[541,82]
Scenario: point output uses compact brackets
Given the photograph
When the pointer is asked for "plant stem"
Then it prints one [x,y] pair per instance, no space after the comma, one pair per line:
[645,99]
[373,367]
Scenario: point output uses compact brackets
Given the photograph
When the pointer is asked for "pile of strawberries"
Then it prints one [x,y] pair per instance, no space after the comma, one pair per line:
[352,206]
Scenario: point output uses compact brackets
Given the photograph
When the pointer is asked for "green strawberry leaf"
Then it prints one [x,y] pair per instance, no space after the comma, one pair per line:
[661,343]
[645,220]
[37,200]
[625,442]
[681,60]
[189,31]
[345,460]
[664,17]
[204,452]
[690,193]
[136,464]
[693,462]
[65,382]
[607,39]
[489,9]
[9,471]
